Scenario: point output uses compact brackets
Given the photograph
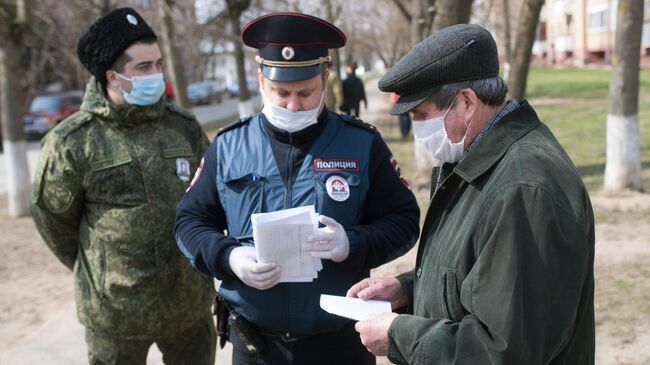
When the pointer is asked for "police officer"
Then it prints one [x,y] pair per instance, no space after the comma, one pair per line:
[108,181]
[290,155]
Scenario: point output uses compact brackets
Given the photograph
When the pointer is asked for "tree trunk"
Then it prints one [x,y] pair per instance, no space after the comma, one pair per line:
[11,92]
[623,166]
[336,57]
[173,61]
[507,38]
[235,8]
[520,62]
[450,12]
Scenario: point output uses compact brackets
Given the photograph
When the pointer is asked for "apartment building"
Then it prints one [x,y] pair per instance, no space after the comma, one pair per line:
[582,32]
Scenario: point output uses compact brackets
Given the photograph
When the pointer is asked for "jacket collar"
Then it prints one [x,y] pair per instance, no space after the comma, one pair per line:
[494,144]
[95,102]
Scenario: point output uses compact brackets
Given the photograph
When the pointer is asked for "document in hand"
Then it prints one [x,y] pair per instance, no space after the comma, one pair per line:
[353,308]
[279,237]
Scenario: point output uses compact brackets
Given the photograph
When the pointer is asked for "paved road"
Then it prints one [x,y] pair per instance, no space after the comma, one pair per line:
[204,114]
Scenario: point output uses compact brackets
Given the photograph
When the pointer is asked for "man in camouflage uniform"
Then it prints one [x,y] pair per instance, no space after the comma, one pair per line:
[104,198]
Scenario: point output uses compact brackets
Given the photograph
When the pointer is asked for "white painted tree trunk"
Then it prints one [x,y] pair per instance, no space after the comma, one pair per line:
[245,108]
[623,167]
[18,184]
[424,160]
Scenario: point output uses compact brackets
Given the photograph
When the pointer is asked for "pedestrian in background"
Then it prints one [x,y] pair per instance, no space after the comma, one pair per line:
[107,184]
[505,266]
[334,94]
[353,92]
[403,119]
[295,153]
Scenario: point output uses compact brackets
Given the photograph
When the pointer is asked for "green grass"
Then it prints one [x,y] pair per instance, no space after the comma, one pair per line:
[573,103]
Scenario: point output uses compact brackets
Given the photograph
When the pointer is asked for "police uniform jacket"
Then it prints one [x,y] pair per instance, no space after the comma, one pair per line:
[106,188]
[253,167]
[504,271]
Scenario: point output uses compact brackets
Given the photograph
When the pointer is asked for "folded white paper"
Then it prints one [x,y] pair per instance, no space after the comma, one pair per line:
[279,237]
[353,308]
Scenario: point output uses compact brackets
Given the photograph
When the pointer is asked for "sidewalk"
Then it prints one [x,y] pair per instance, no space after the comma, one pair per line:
[61,342]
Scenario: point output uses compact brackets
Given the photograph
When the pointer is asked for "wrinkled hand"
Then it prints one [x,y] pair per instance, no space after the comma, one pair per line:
[259,275]
[374,332]
[330,242]
[389,289]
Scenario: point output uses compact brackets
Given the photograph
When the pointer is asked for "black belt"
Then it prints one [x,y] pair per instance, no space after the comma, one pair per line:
[284,337]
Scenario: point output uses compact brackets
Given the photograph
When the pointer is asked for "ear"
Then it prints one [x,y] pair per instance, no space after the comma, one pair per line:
[260,78]
[469,104]
[111,78]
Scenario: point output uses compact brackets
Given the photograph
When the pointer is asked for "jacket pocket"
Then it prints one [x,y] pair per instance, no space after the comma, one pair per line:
[450,296]
[114,180]
[243,196]
[337,196]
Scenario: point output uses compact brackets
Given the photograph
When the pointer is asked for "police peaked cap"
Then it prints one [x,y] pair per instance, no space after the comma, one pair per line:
[292,46]
[461,52]
[108,37]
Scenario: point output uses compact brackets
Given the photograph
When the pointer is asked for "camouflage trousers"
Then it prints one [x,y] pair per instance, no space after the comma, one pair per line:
[196,346]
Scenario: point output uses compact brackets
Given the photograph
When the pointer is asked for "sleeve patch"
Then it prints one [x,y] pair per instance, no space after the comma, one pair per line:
[57,198]
[398,171]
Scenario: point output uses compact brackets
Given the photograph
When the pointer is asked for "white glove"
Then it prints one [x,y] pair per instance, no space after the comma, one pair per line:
[243,263]
[330,242]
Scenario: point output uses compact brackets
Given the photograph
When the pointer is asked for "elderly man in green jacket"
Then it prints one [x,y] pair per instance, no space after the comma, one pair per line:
[104,199]
[504,271]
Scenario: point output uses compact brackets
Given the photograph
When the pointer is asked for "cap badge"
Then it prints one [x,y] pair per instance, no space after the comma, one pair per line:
[132,19]
[337,188]
[288,53]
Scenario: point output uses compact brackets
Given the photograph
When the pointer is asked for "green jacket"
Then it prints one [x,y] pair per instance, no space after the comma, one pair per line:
[106,188]
[504,271]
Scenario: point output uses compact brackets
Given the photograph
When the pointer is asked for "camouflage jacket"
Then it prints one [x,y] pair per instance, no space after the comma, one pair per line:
[106,188]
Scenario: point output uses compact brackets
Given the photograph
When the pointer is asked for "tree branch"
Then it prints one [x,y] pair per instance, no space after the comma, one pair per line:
[402,8]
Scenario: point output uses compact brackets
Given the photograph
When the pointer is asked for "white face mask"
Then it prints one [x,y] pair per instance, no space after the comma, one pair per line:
[433,135]
[288,120]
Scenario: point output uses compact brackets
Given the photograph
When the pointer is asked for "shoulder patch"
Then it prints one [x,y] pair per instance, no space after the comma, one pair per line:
[72,123]
[180,111]
[234,125]
[354,121]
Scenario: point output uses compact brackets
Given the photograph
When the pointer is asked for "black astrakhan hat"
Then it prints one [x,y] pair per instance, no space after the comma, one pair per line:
[461,52]
[292,46]
[108,37]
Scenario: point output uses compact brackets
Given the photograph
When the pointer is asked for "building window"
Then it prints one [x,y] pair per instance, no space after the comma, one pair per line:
[598,20]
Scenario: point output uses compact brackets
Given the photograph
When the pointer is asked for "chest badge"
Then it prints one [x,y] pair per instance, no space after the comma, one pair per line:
[337,188]
[183,170]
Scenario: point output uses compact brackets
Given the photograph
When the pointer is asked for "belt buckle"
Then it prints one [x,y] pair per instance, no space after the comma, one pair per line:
[287,337]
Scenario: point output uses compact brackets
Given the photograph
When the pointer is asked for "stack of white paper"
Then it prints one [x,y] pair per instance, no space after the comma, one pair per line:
[279,237]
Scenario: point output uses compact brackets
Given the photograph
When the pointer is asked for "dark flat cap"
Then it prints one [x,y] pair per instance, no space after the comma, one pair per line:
[108,37]
[292,46]
[461,52]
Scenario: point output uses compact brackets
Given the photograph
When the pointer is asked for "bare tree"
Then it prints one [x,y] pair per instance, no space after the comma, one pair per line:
[13,26]
[175,68]
[235,9]
[520,62]
[331,15]
[623,167]
[507,38]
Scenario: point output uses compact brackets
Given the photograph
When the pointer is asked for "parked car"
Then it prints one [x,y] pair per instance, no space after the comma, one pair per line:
[47,110]
[233,90]
[205,92]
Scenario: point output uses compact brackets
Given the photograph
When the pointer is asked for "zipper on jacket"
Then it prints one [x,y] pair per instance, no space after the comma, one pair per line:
[288,195]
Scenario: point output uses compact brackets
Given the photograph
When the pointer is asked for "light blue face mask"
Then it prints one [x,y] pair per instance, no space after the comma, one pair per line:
[145,90]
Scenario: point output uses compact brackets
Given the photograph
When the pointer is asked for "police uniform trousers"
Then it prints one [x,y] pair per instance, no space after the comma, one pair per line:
[195,346]
[337,348]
